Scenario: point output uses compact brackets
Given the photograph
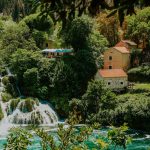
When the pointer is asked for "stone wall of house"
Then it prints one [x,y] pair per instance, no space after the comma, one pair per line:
[116,83]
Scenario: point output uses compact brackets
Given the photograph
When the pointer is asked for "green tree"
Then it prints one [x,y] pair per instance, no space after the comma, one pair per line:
[79,32]
[30,78]
[45,77]
[41,27]
[138,28]
[100,101]
[119,137]
[133,109]
[96,104]
[35,21]
[18,139]
[24,64]
[15,36]
[72,73]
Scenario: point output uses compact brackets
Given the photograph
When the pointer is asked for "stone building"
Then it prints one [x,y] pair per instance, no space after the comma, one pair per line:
[116,64]
[115,79]
[117,58]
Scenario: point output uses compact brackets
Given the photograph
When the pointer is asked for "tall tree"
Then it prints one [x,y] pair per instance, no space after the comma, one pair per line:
[16,8]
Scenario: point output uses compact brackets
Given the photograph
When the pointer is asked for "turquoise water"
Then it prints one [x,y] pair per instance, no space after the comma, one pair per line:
[140,141]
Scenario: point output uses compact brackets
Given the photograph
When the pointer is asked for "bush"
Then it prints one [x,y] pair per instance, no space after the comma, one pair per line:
[2,70]
[1,113]
[139,74]
[26,105]
[5,80]
[36,21]
[10,85]
[96,104]
[6,97]
[133,109]
[13,105]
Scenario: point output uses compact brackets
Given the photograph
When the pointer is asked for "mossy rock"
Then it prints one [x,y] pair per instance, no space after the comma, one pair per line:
[27,105]
[13,105]
[24,105]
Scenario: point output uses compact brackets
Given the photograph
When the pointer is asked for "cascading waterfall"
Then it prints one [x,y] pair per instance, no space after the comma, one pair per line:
[39,113]
[24,112]
[10,74]
[4,124]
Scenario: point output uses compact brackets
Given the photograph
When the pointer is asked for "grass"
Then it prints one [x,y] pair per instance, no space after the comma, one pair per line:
[142,86]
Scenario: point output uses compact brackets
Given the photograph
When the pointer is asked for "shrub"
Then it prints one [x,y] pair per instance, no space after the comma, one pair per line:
[13,105]
[27,105]
[96,104]
[133,109]
[6,97]
[5,80]
[10,85]
[3,70]
[140,74]
[36,21]
[1,113]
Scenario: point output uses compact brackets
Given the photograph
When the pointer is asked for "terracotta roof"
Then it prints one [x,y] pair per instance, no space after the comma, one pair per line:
[130,42]
[112,73]
[121,44]
[122,49]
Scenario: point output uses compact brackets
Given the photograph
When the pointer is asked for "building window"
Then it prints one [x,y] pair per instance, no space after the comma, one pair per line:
[108,83]
[110,57]
[121,83]
[110,67]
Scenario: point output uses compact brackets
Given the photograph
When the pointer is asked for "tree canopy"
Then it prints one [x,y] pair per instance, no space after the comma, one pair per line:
[66,11]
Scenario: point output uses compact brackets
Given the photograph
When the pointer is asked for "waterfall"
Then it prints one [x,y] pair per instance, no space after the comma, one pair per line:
[4,123]
[39,114]
[9,73]
[24,112]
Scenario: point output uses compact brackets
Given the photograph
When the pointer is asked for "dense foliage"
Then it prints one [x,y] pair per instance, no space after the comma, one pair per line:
[119,137]
[96,104]
[67,82]
[15,36]
[66,77]
[140,74]
[18,139]
[138,28]
[133,109]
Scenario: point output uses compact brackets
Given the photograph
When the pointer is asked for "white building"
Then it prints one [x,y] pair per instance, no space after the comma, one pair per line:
[115,79]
